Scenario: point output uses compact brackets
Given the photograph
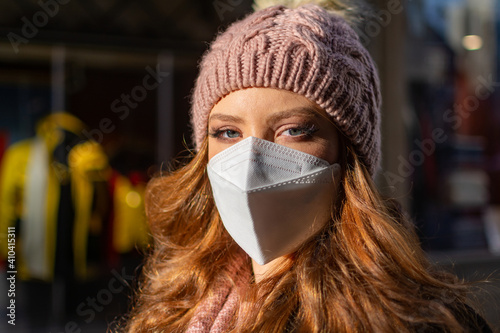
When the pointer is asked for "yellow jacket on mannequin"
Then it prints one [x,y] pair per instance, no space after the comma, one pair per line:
[30,180]
[129,223]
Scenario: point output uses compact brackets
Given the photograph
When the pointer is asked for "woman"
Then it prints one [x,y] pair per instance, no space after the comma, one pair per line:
[275,225]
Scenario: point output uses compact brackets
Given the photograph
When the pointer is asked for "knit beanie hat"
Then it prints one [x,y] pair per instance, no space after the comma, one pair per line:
[305,50]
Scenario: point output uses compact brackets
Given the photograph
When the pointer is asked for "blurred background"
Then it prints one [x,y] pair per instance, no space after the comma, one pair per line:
[94,100]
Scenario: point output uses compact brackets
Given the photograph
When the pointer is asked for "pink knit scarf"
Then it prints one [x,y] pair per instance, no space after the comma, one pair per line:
[215,313]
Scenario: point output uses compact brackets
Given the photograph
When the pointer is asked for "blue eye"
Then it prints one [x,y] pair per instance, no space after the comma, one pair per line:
[230,134]
[295,131]
[301,131]
[224,134]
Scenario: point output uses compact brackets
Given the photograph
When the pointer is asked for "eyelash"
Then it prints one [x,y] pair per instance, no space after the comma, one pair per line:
[308,129]
[217,133]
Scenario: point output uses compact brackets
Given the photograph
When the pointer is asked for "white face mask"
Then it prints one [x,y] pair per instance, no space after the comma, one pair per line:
[271,198]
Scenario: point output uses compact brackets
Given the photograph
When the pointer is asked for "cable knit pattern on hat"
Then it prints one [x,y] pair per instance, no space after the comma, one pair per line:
[305,50]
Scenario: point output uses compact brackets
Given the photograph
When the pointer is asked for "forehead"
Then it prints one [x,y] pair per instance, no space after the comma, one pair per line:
[262,102]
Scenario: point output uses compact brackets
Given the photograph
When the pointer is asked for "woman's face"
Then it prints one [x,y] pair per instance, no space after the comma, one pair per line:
[274,115]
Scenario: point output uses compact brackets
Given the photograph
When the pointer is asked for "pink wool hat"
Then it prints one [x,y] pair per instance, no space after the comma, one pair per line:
[305,50]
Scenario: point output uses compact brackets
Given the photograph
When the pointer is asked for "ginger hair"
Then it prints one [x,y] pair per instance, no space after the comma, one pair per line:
[363,272]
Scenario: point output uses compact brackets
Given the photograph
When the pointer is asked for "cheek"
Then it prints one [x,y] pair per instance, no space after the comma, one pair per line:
[327,150]
[326,143]
[331,147]
[325,147]
[213,148]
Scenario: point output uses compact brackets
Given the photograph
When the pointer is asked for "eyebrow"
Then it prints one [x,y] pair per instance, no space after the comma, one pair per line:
[226,117]
[276,117]
[300,111]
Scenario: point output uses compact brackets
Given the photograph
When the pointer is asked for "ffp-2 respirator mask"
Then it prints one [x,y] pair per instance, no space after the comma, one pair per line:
[271,198]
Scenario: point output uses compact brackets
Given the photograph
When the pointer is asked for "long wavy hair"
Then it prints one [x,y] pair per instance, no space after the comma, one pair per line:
[363,272]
